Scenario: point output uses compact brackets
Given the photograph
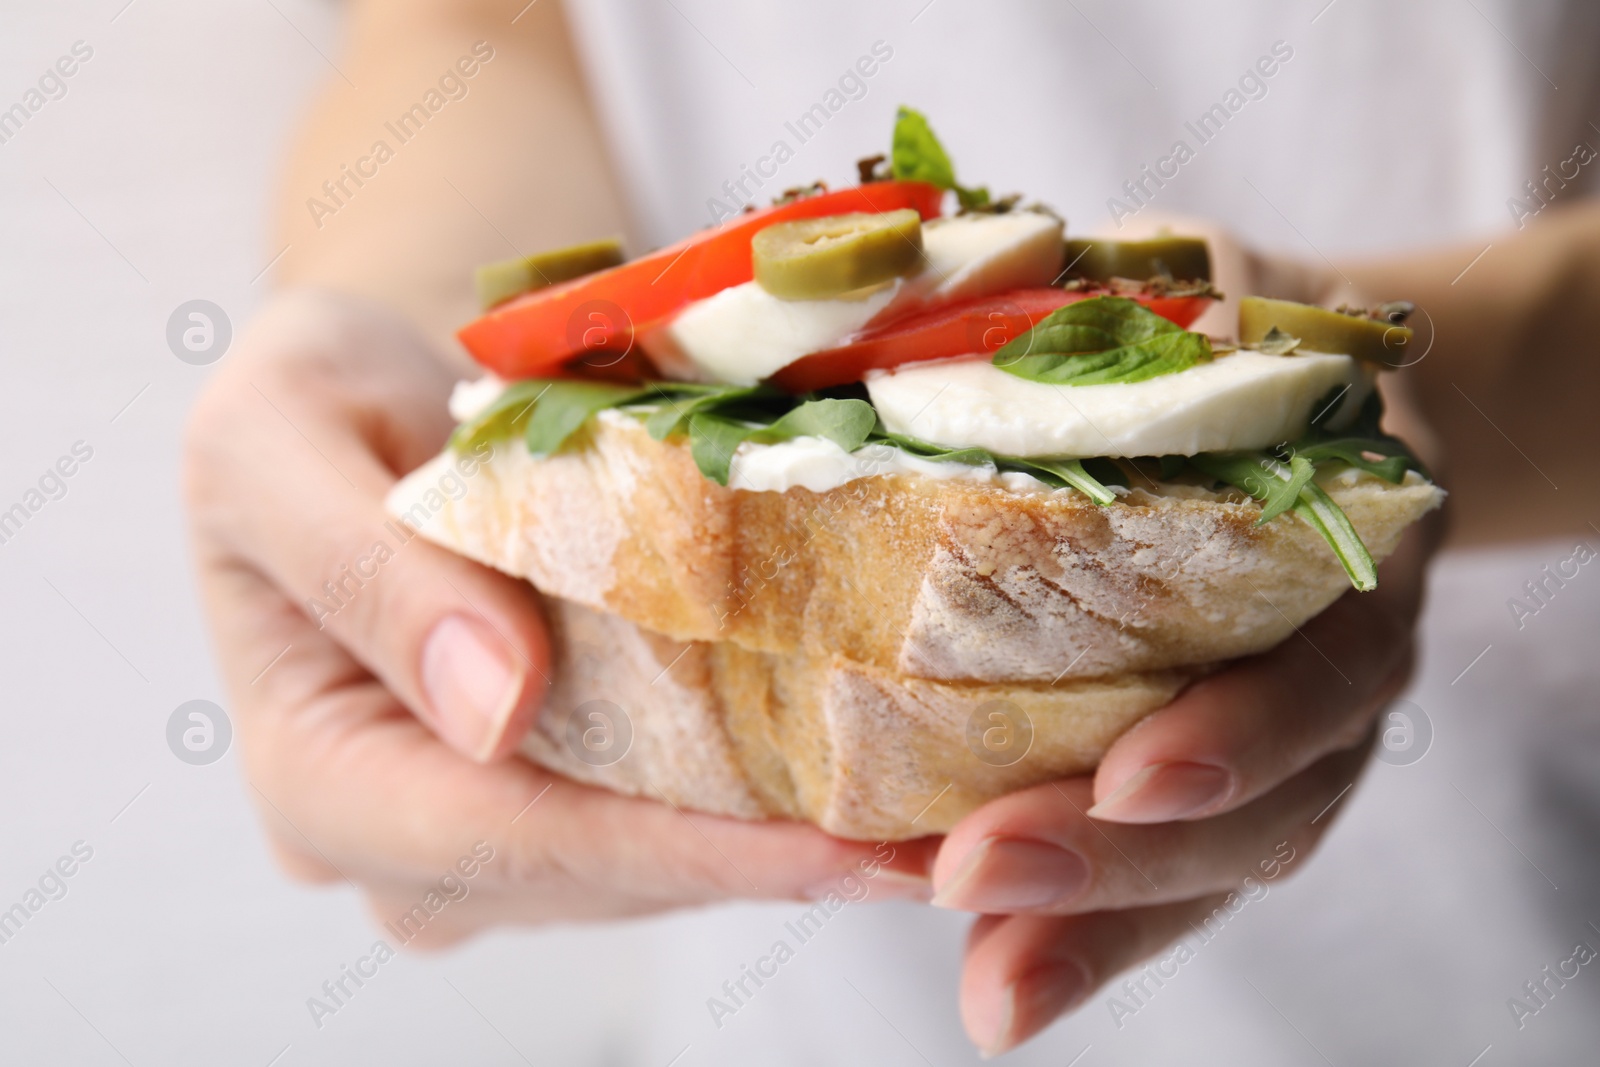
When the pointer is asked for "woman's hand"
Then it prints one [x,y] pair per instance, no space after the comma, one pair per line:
[1079,880]
[378,691]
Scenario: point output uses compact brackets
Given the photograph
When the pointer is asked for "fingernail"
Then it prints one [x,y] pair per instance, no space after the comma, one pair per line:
[885,885]
[1033,1001]
[898,885]
[1163,792]
[1005,874]
[473,684]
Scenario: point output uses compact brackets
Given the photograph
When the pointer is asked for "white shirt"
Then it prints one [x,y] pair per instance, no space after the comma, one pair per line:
[1447,884]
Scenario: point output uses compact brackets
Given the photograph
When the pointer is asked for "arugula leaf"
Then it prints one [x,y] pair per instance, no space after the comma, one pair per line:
[715,434]
[1269,481]
[566,405]
[712,441]
[1275,483]
[1062,472]
[1353,443]
[1056,472]
[976,457]
[672,417]
[1353,450]
[917,155]
[1102,340]
[1291,483]
[847,423]
[501,418]
[1329,519]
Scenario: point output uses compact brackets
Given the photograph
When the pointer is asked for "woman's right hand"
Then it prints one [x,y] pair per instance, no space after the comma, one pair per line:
[378,731]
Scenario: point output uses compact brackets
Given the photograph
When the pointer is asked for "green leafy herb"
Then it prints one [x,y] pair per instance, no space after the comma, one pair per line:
[566,405]
[1270,481]
[1060,473]
[1391,465]
[680,401]
[1065,472]
[1327,518]
[917,155]
[1361,444]
[976,457]
[847,423]
[1277,343]
[1275,483]
[502,418]
[712,441]
[548,411]
[715,433]
[1099,341]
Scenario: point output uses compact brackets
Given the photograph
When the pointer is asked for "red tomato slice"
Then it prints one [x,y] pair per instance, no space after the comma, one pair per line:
[976,327]
[535,334]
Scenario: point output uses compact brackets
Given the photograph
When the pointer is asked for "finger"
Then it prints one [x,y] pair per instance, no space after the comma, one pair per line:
[1022,972]
[299,863]
[342,772]
[463,646]
[1039,851]
[1236,735]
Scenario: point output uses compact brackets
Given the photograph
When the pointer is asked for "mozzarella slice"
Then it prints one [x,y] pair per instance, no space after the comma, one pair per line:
[1243,400]
[468,399]
[744,334]
[975,255]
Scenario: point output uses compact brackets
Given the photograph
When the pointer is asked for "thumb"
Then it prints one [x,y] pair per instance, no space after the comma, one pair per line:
[464,647]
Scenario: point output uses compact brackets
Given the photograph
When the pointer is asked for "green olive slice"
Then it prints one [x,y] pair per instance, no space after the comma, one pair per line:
[818,259]
[1373,338]
[499,282]
[1180,258]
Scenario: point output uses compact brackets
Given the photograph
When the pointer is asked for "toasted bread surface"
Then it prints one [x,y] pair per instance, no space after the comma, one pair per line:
[945,579]
[860,751]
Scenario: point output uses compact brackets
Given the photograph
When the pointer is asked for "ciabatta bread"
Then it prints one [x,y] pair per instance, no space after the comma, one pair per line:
[880,658]
[919,577]
[860,751]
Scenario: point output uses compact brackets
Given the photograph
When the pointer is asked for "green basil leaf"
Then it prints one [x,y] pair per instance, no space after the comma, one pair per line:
[972,198]
[916,155]
[847,423]
[1100,341]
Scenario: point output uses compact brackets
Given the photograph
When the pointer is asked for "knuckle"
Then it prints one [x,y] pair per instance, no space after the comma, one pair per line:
[530,864]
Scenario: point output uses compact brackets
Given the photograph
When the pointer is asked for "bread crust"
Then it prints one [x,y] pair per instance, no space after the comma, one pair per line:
[860,751]
[939,579]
